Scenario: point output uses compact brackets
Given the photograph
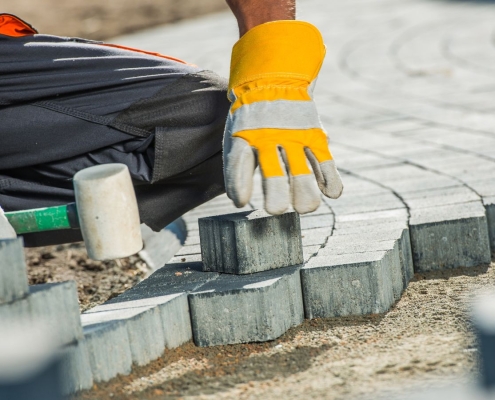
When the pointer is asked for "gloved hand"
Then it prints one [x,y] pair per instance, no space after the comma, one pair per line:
[273,119]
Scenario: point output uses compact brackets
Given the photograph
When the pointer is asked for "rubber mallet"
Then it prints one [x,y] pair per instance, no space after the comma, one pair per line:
[105,210]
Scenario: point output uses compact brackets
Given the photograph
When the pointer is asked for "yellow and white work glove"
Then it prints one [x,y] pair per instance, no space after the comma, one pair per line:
[273,119]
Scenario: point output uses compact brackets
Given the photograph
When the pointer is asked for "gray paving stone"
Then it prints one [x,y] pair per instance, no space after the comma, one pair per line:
[174,311]
[13,272]
[484,187]
[143,324]
[449,236]
[317,221]
[310,251]
[54,304]
[371,226]
[189,250]
[185,258]
[249,242]
[155,313]
[380,233]
[315,236]
[355,204]
[75,368]
[336,246]
[108,347]
[489,203]
[440,197]
[374,216]
[58,305]
[247,308]
[353,185]
[351,284]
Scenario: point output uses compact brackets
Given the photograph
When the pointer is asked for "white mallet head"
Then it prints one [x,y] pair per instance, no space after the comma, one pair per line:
[108,211]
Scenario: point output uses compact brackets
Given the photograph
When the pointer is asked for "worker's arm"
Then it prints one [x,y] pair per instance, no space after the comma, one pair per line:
[273,120]
[250,13]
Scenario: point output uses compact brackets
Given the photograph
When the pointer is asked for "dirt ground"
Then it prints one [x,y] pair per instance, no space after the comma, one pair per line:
[99,20]
[96,281]
[424,340]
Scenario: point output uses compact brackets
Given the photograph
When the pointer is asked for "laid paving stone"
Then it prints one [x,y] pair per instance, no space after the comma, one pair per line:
[247,308]
[380,233]
[440,197]
[354,204]
[317,221]
[108,347]
[310,251]
[358,227]
[143,324]
[449,237]
[248,242]
[188,258]
[354,185]
[75,368]
[489,203]
[155,312]
[337,246]
[351,284]
[316,236]
[13,272]
[189,250]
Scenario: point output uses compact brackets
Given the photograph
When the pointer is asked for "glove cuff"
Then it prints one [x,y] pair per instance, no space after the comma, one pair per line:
[279,49]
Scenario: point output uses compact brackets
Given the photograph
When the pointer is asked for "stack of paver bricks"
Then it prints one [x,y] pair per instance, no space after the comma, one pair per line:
[55,305]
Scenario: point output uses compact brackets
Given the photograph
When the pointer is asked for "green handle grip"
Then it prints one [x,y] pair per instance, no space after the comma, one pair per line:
[44,219]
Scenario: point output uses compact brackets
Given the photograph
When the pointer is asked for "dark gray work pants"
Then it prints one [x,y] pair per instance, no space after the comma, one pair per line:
[67,104]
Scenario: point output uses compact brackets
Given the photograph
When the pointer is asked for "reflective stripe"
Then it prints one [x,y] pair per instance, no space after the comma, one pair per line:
[281,114]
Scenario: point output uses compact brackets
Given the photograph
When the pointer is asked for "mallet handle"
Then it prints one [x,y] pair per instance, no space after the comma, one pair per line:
[44,219]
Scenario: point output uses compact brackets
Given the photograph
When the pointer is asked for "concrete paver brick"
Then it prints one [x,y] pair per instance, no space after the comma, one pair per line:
[317,221]
[489,203]
[449,237]
[108,347]
[75,368]
[247,308]
[143,324]
[310,251]
[250,242]
[350,284]
[54,304]
[440,197]
[315,236]
[13,272]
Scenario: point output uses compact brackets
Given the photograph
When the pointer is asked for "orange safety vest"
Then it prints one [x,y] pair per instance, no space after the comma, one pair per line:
[13,26]
[10,25]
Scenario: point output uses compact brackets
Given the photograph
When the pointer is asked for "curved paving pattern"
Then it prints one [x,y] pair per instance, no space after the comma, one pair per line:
[407,96]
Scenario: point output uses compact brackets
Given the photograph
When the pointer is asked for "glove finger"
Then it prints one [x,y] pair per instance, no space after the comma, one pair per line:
[327,176]
[240,163]
[276,189]
[305,196]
